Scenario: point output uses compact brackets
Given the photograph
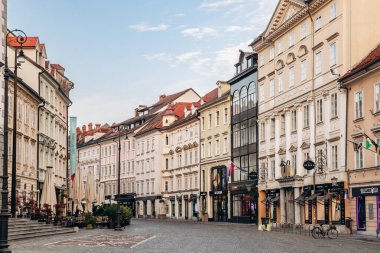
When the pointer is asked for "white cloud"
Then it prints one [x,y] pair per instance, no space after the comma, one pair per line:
[158,56]
[179,15]
[142,27]
[199,32]
[187,56]
[218,4]
[236,28]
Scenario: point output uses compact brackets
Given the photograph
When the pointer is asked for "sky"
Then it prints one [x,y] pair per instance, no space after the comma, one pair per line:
[122,53]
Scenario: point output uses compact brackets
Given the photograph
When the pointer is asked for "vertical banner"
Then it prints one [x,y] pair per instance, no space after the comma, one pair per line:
[73,145]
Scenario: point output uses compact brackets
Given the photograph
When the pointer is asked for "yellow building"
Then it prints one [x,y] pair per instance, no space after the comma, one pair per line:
[301,54]
[215,136]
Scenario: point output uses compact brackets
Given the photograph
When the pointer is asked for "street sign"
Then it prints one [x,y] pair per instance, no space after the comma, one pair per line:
[308,165]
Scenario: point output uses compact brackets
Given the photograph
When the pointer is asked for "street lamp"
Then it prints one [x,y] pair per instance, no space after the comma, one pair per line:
[118,212]
[20,58]
[334,181]
[4,214]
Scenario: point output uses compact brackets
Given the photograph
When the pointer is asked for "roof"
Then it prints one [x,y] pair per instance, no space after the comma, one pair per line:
[57,66]
[371,58]
[217,99]
[42,45]
[166,100]
[30,42]
[211,95]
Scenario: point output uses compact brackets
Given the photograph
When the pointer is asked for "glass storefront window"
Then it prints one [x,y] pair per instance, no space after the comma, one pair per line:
[244,205]
[179,208]
[336,208]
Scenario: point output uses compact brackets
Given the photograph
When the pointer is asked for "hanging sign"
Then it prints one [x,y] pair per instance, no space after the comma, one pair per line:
[309,165]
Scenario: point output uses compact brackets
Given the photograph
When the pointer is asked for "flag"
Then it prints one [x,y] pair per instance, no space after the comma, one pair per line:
[72,177]
[241,170]
[369,142]
[232,167]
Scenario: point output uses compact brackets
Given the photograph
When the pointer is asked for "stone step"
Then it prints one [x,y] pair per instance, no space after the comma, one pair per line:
[36,235]
[30,228]
[47,230]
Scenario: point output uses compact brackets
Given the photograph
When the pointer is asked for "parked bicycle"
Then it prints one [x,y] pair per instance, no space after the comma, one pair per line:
[321,231]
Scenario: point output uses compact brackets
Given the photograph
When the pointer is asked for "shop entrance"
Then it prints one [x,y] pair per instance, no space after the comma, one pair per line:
[361,216]
[220,208]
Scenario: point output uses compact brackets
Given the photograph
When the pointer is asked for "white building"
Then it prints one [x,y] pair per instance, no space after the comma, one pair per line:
[180,159]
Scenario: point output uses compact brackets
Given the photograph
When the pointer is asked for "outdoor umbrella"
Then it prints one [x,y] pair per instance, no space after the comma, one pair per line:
[90,193]
[48,190]
[78,190]
[100,198]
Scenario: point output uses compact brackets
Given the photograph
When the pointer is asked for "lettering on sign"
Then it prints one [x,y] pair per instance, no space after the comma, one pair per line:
[371,190]
[218,192]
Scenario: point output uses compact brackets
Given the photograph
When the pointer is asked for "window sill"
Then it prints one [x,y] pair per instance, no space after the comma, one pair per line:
[358,119]
[293,132]
[376,113]
[306,128]
[334,118]
[320,123]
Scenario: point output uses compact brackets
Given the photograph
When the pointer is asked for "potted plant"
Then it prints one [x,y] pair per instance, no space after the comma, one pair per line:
[89,220]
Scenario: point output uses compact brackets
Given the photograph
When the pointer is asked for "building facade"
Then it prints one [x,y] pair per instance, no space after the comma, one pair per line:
[215,136]
[180,159]
[363,138]
[301,108]
[244,148]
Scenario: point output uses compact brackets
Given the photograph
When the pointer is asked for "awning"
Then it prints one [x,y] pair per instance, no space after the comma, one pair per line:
[275,199]
[325,197]
[300,198]
[314,196]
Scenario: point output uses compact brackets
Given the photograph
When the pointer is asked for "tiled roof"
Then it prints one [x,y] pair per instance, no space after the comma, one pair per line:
[166,100]
[371,58]
[30,42]
[211,95]
[215,100]
[57,66]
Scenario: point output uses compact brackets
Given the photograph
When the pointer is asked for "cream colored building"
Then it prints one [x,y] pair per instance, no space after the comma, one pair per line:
[180,159]
[50,82]
[26,161]
[215,158]
[301,108]
[3,32]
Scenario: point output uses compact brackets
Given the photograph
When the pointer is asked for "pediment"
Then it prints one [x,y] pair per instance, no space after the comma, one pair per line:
[293,148]
[281,151]
[305,145]
[285,10]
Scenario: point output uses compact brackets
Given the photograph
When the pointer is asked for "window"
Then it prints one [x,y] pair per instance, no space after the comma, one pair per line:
[217,147]
[294,164]
[243,99]
[209,149]
[291,39]
[306,118]
[203,150]
[166,140]
[262,94]
[279,83]
[273,169]
[359,158]
[319,110]
[294,120]
[235,103]
[334,105]
[262,131]
[252,99]
[333,54]
[303,30]
[318,23]
[271,87]
[291,76]
[225,145]
[217,118]
[334,157]
[318,63]
[280,48]
[271,53]
[283,124]
[225,115]
[272,127]
[203,123]
[358,105]
[251,131]
[167,163]
[262,59]
[209,121]
[303,70]
[333,11]
[377,97]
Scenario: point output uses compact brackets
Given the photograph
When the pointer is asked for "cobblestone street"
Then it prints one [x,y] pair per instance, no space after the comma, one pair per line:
[172,236]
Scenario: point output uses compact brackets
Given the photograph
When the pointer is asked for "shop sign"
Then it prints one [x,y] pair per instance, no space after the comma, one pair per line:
[374,190]
[203,194]
[185,197]
[218,192]
[172,198]
[308,165]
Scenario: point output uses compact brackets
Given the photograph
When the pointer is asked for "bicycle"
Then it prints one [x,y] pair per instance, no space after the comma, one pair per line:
[320,231]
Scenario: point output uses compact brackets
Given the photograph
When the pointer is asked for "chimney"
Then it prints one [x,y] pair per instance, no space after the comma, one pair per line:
[142,107]
[90,127]
[136,112]
[97,126]
[83,128]
[78,131]
[162,96]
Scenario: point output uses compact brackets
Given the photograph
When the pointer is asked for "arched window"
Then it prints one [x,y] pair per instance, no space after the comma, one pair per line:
[252,95]
[243,99]
[235,103]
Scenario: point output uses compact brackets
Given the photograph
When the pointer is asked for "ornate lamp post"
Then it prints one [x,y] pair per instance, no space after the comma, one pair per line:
[4,214]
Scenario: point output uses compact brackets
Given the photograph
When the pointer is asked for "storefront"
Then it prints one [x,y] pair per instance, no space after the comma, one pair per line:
[194,205]
[172,206]
[271,204]
[244,202]
[219,194]
[367,200]
[129,201]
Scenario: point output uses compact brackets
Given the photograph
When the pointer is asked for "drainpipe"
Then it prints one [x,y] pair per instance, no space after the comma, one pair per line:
[38,137]
[312,93]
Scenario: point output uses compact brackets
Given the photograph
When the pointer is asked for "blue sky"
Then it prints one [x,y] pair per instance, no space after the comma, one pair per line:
[121,53]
